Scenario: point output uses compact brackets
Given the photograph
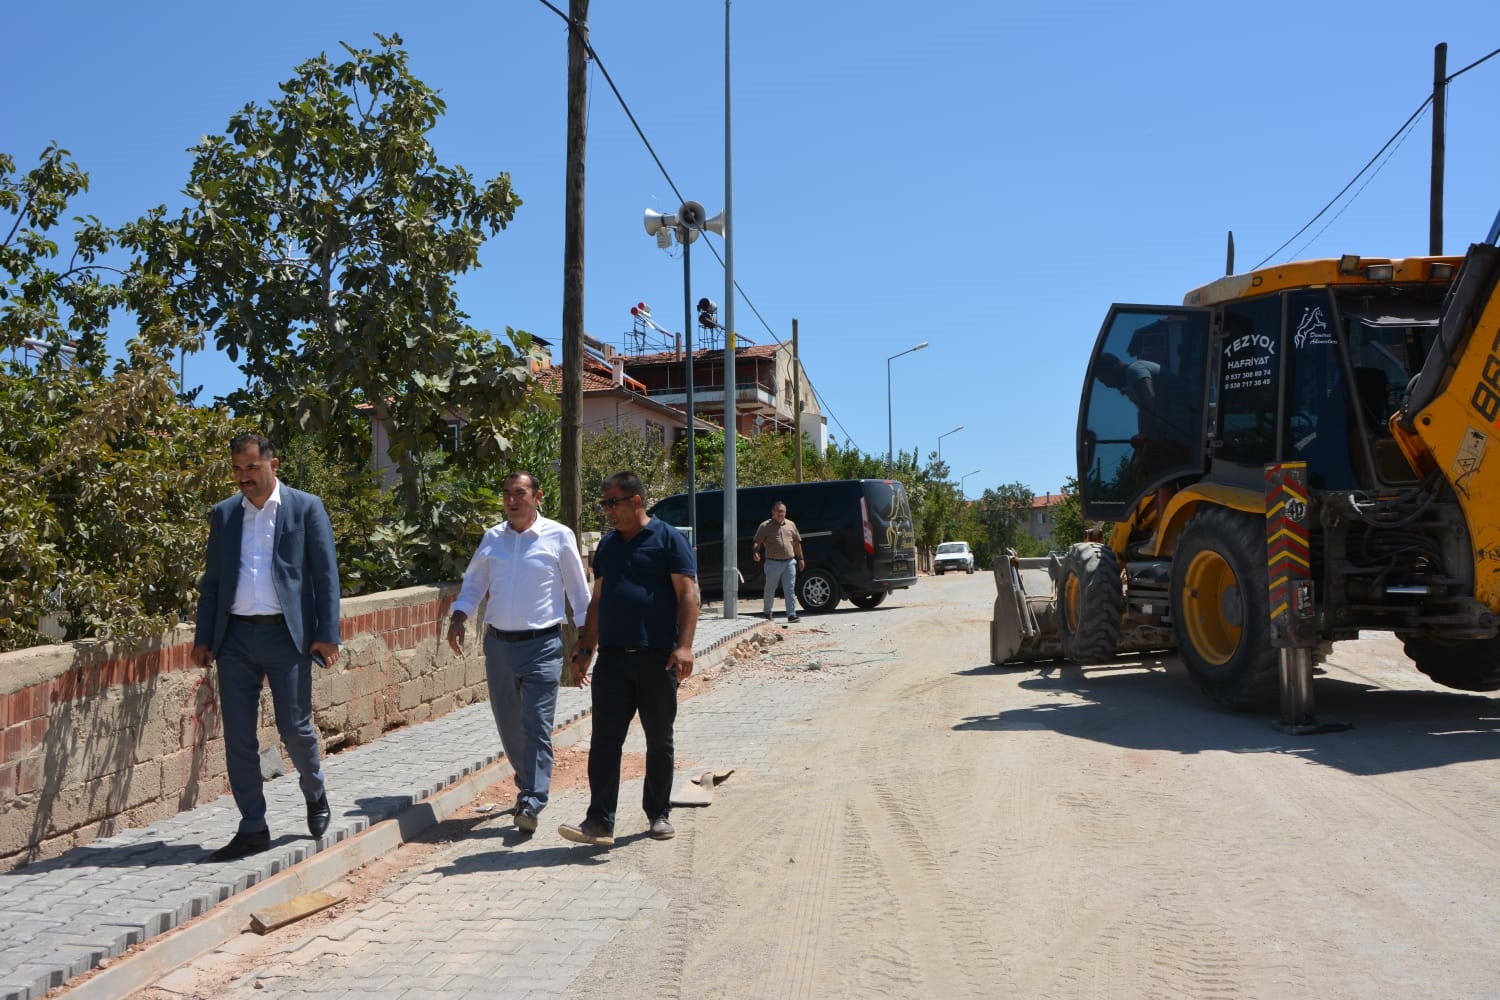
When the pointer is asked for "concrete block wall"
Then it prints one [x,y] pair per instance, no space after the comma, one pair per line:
[97,737]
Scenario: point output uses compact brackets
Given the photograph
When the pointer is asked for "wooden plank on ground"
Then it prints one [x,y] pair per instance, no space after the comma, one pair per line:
[305,905]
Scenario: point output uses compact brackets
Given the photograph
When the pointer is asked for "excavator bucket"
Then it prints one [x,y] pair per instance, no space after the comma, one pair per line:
[1028,622]
[1025,623]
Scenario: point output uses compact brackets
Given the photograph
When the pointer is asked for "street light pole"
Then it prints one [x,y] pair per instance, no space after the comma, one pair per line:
[689,221]
[731,403]
[961,481]
[940,440]
[685,238]
[890,433]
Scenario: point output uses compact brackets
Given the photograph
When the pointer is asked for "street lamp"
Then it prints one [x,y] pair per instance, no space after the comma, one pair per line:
[890,434]
[966,475]
[940,440]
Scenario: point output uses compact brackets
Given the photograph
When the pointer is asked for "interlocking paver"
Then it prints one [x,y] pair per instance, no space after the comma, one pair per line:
[136,884]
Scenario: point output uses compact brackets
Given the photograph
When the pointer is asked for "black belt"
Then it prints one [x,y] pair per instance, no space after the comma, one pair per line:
[787,559]
[525,633]
[630,650]
[260,619]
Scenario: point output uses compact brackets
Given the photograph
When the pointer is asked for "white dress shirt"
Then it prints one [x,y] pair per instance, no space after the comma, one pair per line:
[526,573]
[255,592]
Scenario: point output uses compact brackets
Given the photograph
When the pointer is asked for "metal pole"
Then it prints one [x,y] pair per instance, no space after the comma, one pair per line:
[797,401]
[685,237]
[890,448]
[731,391]
[890,433]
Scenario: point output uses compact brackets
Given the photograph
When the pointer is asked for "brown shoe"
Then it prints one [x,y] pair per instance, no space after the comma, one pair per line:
[591,831]
[661,829]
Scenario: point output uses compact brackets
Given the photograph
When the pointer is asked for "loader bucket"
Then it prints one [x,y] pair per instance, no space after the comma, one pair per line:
[1025,623]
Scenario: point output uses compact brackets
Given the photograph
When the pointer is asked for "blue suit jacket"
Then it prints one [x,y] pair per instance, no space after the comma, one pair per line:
[304,568]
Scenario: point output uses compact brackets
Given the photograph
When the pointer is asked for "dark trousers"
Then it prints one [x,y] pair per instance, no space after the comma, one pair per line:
[253,655]
[626,683]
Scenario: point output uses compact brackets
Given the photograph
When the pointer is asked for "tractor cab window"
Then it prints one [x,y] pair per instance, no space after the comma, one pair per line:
[1388,342]
[1249,373]
[1141,425]
[1319,404]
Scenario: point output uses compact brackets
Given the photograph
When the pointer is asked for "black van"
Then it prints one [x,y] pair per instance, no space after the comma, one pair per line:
[857,537]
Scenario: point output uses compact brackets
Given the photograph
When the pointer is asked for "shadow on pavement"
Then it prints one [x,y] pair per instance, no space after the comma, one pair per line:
[1135,704]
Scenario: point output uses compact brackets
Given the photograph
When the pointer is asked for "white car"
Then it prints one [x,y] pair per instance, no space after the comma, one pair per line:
[954,556]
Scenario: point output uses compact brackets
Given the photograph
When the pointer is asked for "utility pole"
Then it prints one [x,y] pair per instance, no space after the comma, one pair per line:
[1439,112]
[570,472]
[796,401]
[731,578]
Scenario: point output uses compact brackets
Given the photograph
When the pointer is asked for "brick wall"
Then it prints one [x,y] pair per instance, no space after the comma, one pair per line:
[96,737]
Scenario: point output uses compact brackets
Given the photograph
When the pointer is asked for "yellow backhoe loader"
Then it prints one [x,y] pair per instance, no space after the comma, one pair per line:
[1382,376]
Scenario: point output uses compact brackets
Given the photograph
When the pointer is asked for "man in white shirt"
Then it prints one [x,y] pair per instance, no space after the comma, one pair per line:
[527,565]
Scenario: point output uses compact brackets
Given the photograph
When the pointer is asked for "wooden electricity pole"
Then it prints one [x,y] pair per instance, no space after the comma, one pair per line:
[572,314]
[1439,112]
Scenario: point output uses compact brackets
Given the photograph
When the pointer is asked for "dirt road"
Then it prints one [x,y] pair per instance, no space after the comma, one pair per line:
[918,823]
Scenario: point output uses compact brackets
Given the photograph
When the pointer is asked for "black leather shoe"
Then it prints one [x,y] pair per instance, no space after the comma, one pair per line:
[242,846]
[526,820]
[318,815]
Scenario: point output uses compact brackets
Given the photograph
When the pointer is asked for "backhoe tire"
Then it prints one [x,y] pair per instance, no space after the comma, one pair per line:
[818,591]
[1090,603]
[1465,665]
[1221,608]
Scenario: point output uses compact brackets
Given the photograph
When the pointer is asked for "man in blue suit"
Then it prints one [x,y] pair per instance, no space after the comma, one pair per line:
[268,606]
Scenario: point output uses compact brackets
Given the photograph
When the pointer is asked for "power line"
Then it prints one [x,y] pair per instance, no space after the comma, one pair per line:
[1308,224]
[1345,206]
[604,71]
[1399,135]
[1471,65]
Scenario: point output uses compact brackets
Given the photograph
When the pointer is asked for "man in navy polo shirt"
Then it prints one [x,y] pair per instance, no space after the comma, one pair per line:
[642,617]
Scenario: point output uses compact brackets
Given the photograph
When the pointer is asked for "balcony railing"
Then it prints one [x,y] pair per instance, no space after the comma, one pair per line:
[740,386]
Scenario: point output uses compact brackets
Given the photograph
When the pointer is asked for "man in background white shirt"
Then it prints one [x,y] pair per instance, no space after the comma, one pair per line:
[527,565]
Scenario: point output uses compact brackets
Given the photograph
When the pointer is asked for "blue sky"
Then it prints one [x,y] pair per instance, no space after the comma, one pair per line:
[987,177]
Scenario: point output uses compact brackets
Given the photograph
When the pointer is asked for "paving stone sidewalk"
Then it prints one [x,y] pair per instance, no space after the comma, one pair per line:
[501,914]
[62,917]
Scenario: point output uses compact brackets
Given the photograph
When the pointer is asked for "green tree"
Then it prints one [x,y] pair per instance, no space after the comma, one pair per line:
[616,449]
[322,244]
[1002,512]
[107,473]
[61,307]
[1068,526]
[763,460]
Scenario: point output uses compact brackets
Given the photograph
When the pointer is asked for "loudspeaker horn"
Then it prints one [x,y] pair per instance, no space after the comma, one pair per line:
[691,215]
[655,221]
[716,224]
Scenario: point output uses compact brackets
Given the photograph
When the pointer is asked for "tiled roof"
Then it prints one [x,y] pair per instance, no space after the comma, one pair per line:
[596,378]
[1048,500]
